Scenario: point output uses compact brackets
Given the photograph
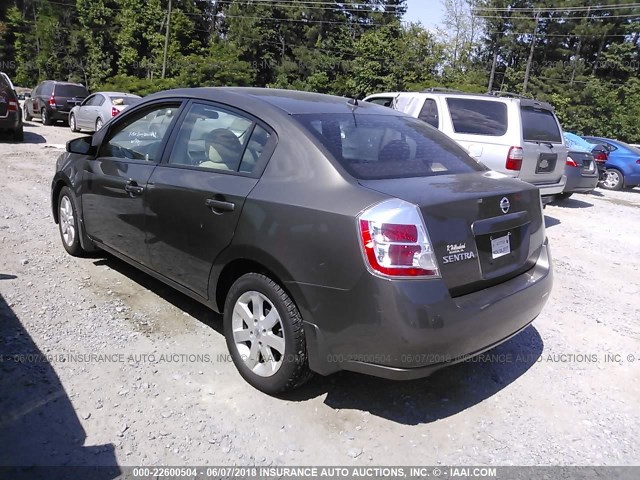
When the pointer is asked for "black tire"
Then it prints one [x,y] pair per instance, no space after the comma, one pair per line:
[27,115]
[18,134]
[613,180]
[563,196]
[294,369]
[46,120]
[72,247]
[72,123]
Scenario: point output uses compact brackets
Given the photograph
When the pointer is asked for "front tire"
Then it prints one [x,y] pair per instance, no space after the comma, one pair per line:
[72,123]
[563,196]
[613,179]
[46,120]
[264,334]
[68,223]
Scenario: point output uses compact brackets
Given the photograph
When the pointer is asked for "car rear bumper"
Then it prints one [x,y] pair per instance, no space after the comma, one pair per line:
[58,114]
[547,189]
[579,181]
[409,329]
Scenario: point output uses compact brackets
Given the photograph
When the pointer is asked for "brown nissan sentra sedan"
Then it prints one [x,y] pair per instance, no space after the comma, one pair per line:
[331,234]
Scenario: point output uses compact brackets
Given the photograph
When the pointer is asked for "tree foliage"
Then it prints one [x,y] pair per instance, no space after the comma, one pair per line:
[584,60]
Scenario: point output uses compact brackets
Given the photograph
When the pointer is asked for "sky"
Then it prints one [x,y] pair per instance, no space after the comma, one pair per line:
[429,12]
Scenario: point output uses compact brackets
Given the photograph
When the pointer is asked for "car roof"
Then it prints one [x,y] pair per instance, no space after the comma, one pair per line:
[117,94]
[498,96]
[292,102]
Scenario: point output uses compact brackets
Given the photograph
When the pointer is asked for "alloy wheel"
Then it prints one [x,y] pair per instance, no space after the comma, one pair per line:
[67,221]
[258,333]
[611,179]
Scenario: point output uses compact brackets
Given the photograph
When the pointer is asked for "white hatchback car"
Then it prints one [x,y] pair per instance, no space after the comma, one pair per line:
[517,136]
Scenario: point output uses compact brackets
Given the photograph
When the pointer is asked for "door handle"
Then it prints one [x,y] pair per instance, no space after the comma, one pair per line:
[220,205]
[133,188]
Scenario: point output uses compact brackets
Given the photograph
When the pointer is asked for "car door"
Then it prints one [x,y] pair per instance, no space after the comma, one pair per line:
[114,183]
[82,112]
[195,197]
[94,109]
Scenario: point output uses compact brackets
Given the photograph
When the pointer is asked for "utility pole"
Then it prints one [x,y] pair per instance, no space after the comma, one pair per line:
[530,60]
[493,68]
[166,41]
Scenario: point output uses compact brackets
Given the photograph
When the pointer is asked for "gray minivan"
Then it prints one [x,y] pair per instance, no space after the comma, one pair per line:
[516,136]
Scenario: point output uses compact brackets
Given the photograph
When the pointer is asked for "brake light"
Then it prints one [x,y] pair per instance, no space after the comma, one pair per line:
[514,158]
[114,111]
[600,156]
[395,242]
[12,106]
[638,161]
[52,101]
[571,162]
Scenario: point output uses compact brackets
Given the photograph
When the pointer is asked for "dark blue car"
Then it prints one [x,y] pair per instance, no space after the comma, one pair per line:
[623,165]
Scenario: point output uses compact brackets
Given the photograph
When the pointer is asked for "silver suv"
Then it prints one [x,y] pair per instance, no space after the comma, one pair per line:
[513,135]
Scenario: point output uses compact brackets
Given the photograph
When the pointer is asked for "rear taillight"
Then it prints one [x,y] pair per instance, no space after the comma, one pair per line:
[571,162]
[12,106]
[395,241]
[638,161]
[514,158]
[600,156]
[114,111]
[52,101]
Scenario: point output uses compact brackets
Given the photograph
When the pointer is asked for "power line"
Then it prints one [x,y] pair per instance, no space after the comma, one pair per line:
[620,6]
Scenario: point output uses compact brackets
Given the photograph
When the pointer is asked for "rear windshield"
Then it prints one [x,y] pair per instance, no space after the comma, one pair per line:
[384,146]
[478,117]
[539,125]
[71,91]
[124,100]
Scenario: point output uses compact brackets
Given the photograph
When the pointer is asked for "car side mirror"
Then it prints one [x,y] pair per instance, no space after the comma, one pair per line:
[81,146]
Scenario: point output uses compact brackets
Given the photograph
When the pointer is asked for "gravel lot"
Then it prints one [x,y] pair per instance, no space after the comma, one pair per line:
[169,395]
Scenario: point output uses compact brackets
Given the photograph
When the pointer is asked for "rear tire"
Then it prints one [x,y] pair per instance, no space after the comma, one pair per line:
[27,116]
[264,334]
[613,179]
[18,134]
[45,117]
[98,124]
[68,223]
[72,123]
[563,196]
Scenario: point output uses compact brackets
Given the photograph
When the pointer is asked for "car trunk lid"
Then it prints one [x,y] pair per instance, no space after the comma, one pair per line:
[485,228]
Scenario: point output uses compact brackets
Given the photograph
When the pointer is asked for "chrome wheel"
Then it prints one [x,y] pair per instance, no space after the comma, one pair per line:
[72,123]
[67,221]
[98,124]
[258,333]
[612,179]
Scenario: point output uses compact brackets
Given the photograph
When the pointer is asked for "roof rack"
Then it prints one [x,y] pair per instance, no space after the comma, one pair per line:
[441,89]
[498,93]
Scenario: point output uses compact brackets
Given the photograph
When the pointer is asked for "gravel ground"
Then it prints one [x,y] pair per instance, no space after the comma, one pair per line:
[164,391]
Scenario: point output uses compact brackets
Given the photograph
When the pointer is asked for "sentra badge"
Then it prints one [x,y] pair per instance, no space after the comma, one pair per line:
[456,253]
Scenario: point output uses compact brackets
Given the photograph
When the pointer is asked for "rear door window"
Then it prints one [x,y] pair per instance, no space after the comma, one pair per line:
[385,146]
[478,117]
[539,125]
[429,112]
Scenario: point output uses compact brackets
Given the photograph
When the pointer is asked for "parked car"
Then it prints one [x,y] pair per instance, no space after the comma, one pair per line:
[10,114]
[51,101]
[581,169]
[599,155]
[333,235]
[513,135]
[99,107]
[623,164]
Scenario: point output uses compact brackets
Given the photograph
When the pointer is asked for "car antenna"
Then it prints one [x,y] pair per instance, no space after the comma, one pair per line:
[353,104]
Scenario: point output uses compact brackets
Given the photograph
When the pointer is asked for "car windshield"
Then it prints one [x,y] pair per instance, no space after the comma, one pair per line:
[385,146]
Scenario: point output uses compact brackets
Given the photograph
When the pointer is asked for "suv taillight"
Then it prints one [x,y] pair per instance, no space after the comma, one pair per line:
[52,101]
[514,158]
[395,242]
[12,106]
[571,162]
[114,111]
